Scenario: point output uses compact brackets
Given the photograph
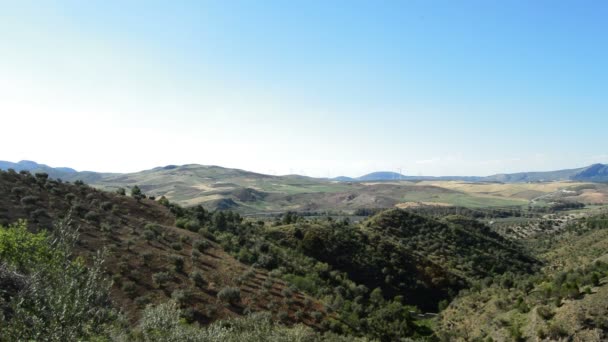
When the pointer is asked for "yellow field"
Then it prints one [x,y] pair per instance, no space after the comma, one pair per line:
[514,190]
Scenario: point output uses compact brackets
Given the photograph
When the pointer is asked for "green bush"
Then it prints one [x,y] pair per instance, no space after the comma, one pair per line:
[178,263]
[161,278]
[230,295]
[197,278]
[201,245]
[176,246]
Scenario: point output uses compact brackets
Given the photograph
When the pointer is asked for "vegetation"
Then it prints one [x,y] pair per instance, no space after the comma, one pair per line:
[95,265]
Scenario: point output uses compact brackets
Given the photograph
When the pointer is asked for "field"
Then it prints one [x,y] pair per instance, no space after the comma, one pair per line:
[248,192]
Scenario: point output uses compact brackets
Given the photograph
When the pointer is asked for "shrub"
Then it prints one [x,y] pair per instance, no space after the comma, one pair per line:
[29,200]
[178,263]
[176,246]
[64,300]
[181,222]
[39,213]
[136,193]
[129,288]
[181,297]
[161,278]
[149,235]
[106,206]
[544,312]
[91,216]
[201,245]
[231,295]
[556,331]
[195,254]
[197,278]
[192,226]
[70,197]
[142,301]
[317,316]
[147,257]
[287,292]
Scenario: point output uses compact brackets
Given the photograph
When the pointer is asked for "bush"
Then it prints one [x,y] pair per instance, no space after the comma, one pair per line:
[176,246]
[142,301]
[91,216]
[201,245]
[106,206]
[544,312]
[181,297]
[149,235]
[178,263]
[29,200]
[230,295]
[197,278]
[147,257]
[129,288]
[161,278]
[64,300]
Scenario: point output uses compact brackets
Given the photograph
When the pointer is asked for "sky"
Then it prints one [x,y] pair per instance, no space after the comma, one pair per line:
[320,88]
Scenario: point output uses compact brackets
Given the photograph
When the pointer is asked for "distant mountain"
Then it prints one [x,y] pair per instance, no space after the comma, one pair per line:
[344,179]
[28,165]
[592,173]
[381,176]
[64,173]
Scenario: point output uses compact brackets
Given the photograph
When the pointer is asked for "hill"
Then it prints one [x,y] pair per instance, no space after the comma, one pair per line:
[149,259]
[381,176]
[251,193]
[592,173]
[567,300]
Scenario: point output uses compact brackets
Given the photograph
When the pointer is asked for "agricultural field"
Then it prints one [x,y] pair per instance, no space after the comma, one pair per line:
[248,192]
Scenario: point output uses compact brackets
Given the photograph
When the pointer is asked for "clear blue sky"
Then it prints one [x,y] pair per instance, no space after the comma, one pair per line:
[314,87]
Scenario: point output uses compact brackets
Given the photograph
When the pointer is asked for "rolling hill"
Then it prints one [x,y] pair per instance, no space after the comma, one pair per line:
[249,192]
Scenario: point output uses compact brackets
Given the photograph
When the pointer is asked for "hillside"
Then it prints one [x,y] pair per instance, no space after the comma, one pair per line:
[567,300]
[149,259]
[252,193]
[592,173]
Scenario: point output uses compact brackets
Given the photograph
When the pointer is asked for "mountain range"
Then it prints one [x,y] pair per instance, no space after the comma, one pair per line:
[592,173]
[247,192]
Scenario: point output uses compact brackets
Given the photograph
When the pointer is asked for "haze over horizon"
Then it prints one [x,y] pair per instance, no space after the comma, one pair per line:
[319,88]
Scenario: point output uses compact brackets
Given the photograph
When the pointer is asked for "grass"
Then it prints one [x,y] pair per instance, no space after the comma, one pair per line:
[462,199]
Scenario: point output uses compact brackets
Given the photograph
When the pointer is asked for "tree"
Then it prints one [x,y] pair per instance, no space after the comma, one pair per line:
[136,193]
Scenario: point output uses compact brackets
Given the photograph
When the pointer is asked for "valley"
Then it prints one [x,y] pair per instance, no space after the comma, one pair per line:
[378,260]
